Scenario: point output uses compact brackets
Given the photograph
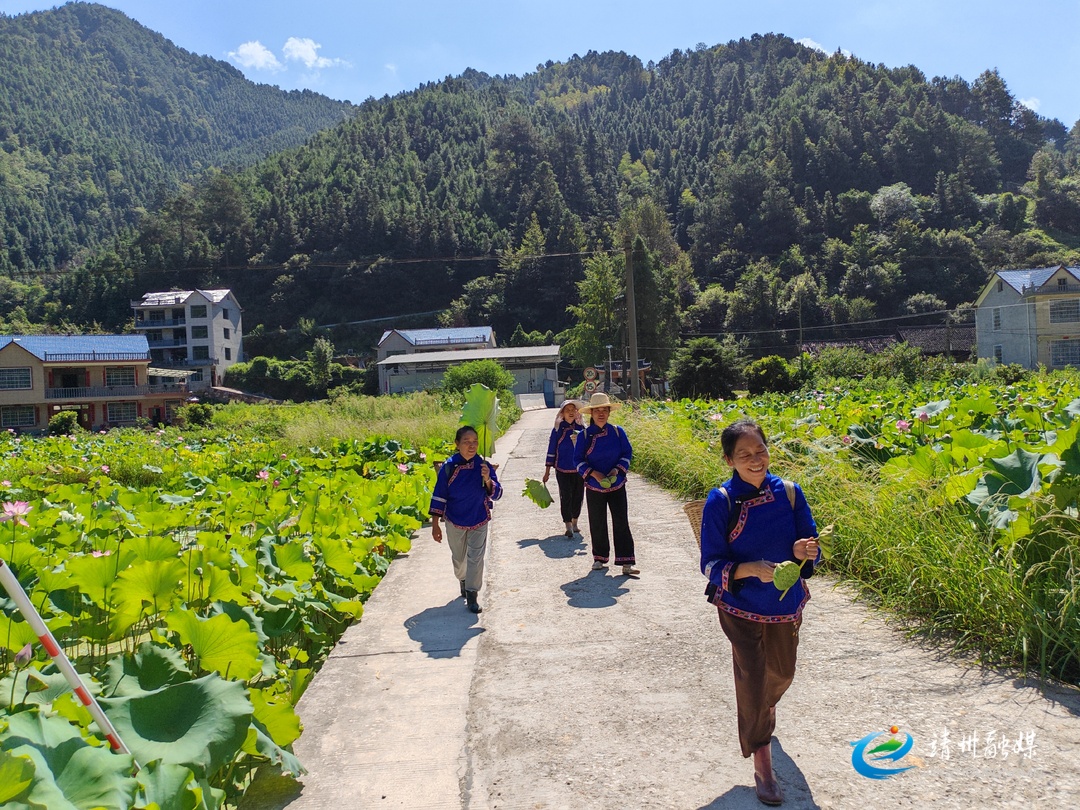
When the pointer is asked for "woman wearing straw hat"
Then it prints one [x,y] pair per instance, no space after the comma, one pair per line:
[751,524]
[603,459]
[560,455]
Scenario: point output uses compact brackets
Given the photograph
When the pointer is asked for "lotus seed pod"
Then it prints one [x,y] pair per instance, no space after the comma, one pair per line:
[785,575]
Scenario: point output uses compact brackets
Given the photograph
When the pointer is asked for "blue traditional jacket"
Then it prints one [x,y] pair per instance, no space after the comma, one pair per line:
[560,454]
[460,497]
[603,449]
[749,524]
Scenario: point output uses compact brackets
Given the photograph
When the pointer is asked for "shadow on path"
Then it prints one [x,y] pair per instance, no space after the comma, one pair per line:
[556,547]
[594,590]
[797,791]
[443,631]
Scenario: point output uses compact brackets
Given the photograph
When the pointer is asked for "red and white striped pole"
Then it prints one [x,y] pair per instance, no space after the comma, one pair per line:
[33,618]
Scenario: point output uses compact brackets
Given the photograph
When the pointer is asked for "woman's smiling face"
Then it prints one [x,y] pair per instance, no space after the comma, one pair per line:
[750,459]
[600,416]
[468,444]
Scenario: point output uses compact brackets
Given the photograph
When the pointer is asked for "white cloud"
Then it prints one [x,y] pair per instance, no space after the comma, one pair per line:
[390,67]
[1032,104]
[255,56]
[809,43]
[306,50]
[817,46]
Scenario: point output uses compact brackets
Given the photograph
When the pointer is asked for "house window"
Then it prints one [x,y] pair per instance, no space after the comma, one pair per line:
[997,319]
[200,352]
[1000,286]
[119,376]
[225,314]
[16,416]
[1063,282]
[122,412]
[154,336]
[195,376]
[1067,311]
[1064,353]
[997,353]
[12,379]
[200,332]
[228,353]
[198,311]
[227,333]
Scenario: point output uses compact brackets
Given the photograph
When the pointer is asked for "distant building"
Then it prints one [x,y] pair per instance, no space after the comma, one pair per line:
[106,379]
[412,341]
[1030,317]
[195,330]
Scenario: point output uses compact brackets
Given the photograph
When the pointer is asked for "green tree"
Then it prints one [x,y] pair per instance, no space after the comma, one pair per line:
[319,361]
[460,378]
[708,368]
[597,318]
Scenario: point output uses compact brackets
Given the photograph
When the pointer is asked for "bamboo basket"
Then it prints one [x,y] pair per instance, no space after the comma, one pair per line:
[693,510]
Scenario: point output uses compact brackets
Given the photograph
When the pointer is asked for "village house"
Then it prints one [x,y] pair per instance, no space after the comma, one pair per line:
[106,379]
[198,332]
[416,359]
[1030,317]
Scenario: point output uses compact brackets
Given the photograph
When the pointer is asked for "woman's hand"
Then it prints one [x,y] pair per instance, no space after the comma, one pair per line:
[436,531]
[762,569]
[805,549]
[596,475]
[547,474]
[613,473]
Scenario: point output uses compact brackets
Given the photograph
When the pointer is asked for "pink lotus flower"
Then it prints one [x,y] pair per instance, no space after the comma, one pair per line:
[277,482]
[284,455]
[846,440]
[402,468]
[423,456]
[105,468]
[17,511]
[23,656]
[5,484]
[924,416]
[716,417]
[903,425]
[100,553]
[262,475]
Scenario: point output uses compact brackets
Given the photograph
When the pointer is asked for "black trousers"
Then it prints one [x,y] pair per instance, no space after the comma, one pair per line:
[571,494]
[599,504]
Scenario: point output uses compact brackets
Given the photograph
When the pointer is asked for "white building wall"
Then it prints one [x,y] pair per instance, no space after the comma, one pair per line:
[1015,332]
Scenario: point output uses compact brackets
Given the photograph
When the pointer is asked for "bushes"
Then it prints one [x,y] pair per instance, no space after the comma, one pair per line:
[194,414]
[64,423]
[770,374]
[460,378]
[707,368]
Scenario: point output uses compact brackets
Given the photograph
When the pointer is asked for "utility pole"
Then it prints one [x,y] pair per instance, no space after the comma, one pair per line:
[631,324]
[607,377]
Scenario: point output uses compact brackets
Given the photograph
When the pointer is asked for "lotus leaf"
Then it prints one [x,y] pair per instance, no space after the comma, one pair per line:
[481,412]
[222,645]
[150,668]
[538,493]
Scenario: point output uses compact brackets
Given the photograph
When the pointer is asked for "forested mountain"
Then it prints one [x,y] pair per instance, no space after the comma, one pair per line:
[770,184]
[101,117]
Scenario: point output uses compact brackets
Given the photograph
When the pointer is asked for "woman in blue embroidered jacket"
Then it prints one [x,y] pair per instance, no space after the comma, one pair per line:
[560,455]
[603,455]
[464,491]
[749,526]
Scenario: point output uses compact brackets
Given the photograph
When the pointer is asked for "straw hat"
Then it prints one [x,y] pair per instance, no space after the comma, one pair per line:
[577,403]
[600,400]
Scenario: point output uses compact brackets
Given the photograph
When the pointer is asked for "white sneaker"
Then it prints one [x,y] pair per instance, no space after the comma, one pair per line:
[598,565]
[630,571]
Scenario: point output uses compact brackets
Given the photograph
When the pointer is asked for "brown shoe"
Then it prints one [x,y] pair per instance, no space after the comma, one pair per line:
[768,791]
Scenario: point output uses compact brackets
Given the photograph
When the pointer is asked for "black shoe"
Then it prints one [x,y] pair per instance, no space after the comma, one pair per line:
[470,599]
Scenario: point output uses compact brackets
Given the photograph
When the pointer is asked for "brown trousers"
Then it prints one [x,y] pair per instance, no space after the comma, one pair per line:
[764,659]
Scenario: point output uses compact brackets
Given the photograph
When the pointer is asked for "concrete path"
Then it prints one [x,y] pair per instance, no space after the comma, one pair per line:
[581,689]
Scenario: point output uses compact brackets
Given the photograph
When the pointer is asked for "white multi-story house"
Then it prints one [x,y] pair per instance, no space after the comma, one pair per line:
[196,330]
[1030,317]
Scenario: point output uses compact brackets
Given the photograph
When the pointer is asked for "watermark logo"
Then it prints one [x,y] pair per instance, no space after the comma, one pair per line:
[867,757]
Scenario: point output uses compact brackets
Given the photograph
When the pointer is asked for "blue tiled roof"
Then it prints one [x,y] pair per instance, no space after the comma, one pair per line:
[1019,280]
[456,334]
[42,345]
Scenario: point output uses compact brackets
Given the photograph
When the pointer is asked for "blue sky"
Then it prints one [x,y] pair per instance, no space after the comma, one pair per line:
[353,49]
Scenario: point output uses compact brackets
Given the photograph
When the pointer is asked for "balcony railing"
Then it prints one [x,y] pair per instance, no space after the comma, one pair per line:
[167,344]
[91,357]
[185,362]
[113,391]
[154,323]
[1068,289]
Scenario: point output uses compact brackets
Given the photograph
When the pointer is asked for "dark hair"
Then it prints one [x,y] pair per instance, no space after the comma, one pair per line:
[461,431]
[735,431]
